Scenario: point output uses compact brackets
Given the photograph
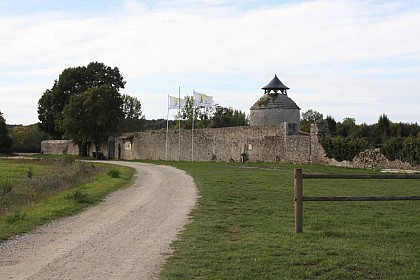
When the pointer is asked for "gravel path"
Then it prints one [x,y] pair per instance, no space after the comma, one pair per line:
[125,237]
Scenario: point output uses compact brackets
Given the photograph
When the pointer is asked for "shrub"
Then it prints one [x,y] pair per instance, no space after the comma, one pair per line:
[6,186]
[78,196]
[341,148]
[15,217]
[411,150]
[404,149]
[392,149]
[114,173]
[30,173]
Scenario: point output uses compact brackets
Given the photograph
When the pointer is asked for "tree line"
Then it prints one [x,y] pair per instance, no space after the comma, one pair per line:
[210,117]
[395,140]
[85,105]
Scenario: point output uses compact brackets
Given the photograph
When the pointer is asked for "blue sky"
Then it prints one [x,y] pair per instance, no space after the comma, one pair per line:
[356,59]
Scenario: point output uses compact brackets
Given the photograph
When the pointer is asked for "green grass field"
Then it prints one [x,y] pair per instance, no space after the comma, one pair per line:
[35,192]
[243,227]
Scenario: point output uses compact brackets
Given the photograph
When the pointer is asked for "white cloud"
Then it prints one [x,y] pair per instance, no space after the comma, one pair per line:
[332,52]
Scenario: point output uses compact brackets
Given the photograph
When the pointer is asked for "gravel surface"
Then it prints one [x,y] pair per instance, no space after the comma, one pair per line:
[127,236]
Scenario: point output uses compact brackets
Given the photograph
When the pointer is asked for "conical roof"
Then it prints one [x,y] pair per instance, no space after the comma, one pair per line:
[280,101]
[275,84]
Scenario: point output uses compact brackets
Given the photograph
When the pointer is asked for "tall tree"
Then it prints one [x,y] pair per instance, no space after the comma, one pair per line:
[26,139]
[384,126]
[93,115]
[47,114]
[5,138]
[158,124]
[133,116]
[404,129]
[210,116]
[346,128]
[228,117]
[199,115]
[332,125]
[71,82]
[188,113]
[309,117]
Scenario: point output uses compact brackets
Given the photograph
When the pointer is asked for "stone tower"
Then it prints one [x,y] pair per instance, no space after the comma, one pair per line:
[275,107]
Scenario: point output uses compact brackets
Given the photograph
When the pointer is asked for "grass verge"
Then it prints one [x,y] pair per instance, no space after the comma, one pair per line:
[35,192]
[243,227]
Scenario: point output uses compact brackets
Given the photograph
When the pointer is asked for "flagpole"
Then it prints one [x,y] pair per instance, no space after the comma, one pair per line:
[167,130]
[192,131]
[202,101]
[179,124]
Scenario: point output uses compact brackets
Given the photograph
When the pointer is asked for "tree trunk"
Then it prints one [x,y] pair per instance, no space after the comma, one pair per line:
[83,149]
[98,151]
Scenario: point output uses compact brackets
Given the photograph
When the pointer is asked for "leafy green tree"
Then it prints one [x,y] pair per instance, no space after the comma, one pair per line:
[404,129]
[228,117]
[332,125]
[384,126]
[210,116]
[26,139]
[205,116]
[361,131]
[75,122]
[346,128]
[309,117]
[46,115]
[190,114]
[71,82]
[134,119]
[6,141]
[158,124]
[93,115]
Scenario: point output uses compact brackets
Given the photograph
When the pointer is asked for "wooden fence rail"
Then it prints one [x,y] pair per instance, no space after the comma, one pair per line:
[299,198]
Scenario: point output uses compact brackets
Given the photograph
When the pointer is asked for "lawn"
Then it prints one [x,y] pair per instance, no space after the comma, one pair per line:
[35,192]
[243,227]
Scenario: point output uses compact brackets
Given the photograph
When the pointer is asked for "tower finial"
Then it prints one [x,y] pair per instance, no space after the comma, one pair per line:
[275,85]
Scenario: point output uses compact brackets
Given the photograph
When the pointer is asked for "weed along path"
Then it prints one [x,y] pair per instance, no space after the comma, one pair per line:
[125,237]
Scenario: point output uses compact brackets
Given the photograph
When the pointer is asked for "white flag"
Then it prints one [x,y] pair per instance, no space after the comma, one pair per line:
[176,103]
[202,100]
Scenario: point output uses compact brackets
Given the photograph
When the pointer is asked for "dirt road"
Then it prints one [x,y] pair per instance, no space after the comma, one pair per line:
[125,237]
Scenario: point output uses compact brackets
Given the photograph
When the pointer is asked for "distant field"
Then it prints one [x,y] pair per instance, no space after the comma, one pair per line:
[34,192]
[243,227]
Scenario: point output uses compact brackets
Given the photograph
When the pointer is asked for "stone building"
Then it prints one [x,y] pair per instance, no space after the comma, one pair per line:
[275,107]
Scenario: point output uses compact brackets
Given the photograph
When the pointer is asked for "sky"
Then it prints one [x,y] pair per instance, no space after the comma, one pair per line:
[357,59]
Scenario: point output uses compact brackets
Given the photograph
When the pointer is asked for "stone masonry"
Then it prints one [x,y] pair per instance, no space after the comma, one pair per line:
[260,143]
[277,143]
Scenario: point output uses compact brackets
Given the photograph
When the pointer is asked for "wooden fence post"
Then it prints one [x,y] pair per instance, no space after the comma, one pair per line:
[298,201]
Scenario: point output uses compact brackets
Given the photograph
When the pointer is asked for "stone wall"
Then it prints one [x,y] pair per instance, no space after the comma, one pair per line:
[262,143]
[277,143]
[318,130]
[61,147]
